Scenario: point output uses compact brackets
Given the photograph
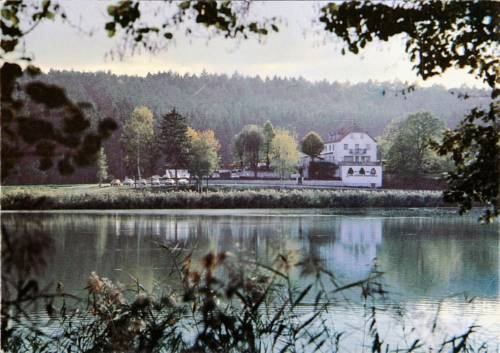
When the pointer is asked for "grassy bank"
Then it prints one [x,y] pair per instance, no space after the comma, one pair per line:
[46,199]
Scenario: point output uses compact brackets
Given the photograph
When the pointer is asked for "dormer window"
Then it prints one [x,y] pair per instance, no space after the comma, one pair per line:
[346,147]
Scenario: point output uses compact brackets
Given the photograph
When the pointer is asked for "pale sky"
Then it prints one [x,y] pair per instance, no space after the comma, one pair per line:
[300,49]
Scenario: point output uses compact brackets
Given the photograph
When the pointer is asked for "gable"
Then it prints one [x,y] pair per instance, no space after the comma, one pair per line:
[355,136]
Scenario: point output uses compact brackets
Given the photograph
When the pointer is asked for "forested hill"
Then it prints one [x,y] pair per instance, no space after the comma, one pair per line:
[226,103]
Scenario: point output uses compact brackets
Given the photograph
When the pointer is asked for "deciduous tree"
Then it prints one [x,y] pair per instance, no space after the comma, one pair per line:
[284,153]
[312,145]
[408,146]
[138,135]
[239,150]
[252,140]
[203,154]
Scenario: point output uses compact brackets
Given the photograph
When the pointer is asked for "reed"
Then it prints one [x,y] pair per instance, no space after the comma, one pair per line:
[47,199]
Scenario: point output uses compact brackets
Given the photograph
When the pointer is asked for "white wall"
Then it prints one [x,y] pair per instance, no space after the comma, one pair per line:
[361,180]
[359,138]
[335,152]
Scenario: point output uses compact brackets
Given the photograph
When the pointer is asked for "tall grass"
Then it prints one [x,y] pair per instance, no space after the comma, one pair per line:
[146,199]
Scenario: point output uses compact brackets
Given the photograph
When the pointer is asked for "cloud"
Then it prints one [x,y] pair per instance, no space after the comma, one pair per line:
[287,53]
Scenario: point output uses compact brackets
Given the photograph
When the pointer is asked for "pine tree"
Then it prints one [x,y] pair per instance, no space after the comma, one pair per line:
[174,140]
[102,166]
[268,138]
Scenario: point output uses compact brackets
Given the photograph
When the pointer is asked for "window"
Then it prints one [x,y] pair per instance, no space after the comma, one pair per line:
[348,159]
[356,146]
[357,159]
[362,171]
[367,158]
[350,171]
[373,171]
[346,147]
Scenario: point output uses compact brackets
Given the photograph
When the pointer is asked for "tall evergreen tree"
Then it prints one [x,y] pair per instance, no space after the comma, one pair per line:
[102,166]
[174,140]
[268,138]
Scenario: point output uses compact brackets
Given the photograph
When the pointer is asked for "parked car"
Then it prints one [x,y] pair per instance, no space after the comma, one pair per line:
[128,182]
[235,176]
[294,176]
[168,181]
[142,182]
[116,182]
[215,175]
[155,182]
[183,182]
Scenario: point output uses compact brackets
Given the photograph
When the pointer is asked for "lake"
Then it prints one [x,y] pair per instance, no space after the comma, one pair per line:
[435,263]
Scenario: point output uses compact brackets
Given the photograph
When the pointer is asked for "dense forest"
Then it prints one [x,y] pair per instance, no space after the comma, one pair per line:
[226,103]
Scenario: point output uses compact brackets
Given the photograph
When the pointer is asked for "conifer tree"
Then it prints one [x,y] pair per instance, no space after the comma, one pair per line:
[174,140]
[268,138]
[102,166]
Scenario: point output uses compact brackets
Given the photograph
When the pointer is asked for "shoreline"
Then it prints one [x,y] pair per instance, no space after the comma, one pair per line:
[130,199]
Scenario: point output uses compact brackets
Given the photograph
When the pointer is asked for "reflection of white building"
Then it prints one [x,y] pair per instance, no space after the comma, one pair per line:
[181,174]
[355,247]
[352,155]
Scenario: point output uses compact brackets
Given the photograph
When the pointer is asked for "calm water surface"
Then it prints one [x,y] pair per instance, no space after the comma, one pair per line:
[434,261]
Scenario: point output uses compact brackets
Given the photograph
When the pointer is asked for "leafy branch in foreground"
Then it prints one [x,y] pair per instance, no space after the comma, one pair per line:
[475,149]
[39,121]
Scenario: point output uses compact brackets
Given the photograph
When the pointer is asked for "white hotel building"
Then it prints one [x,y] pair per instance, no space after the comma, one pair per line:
[353,155]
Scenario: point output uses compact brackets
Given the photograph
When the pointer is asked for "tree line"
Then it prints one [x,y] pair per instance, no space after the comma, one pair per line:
[226,104]
[152,145]
[438,36]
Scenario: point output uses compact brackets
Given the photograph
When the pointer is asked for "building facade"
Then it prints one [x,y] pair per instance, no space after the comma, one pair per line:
[353,157]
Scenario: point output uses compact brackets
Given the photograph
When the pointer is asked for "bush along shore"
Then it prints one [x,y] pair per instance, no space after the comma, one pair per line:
[147,199]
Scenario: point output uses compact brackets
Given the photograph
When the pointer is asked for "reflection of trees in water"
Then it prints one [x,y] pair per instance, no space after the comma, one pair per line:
[346,246]
[429,256]
[426,256]
[437,257]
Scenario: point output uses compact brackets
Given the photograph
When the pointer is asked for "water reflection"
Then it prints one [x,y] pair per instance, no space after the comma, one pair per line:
[423,257]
